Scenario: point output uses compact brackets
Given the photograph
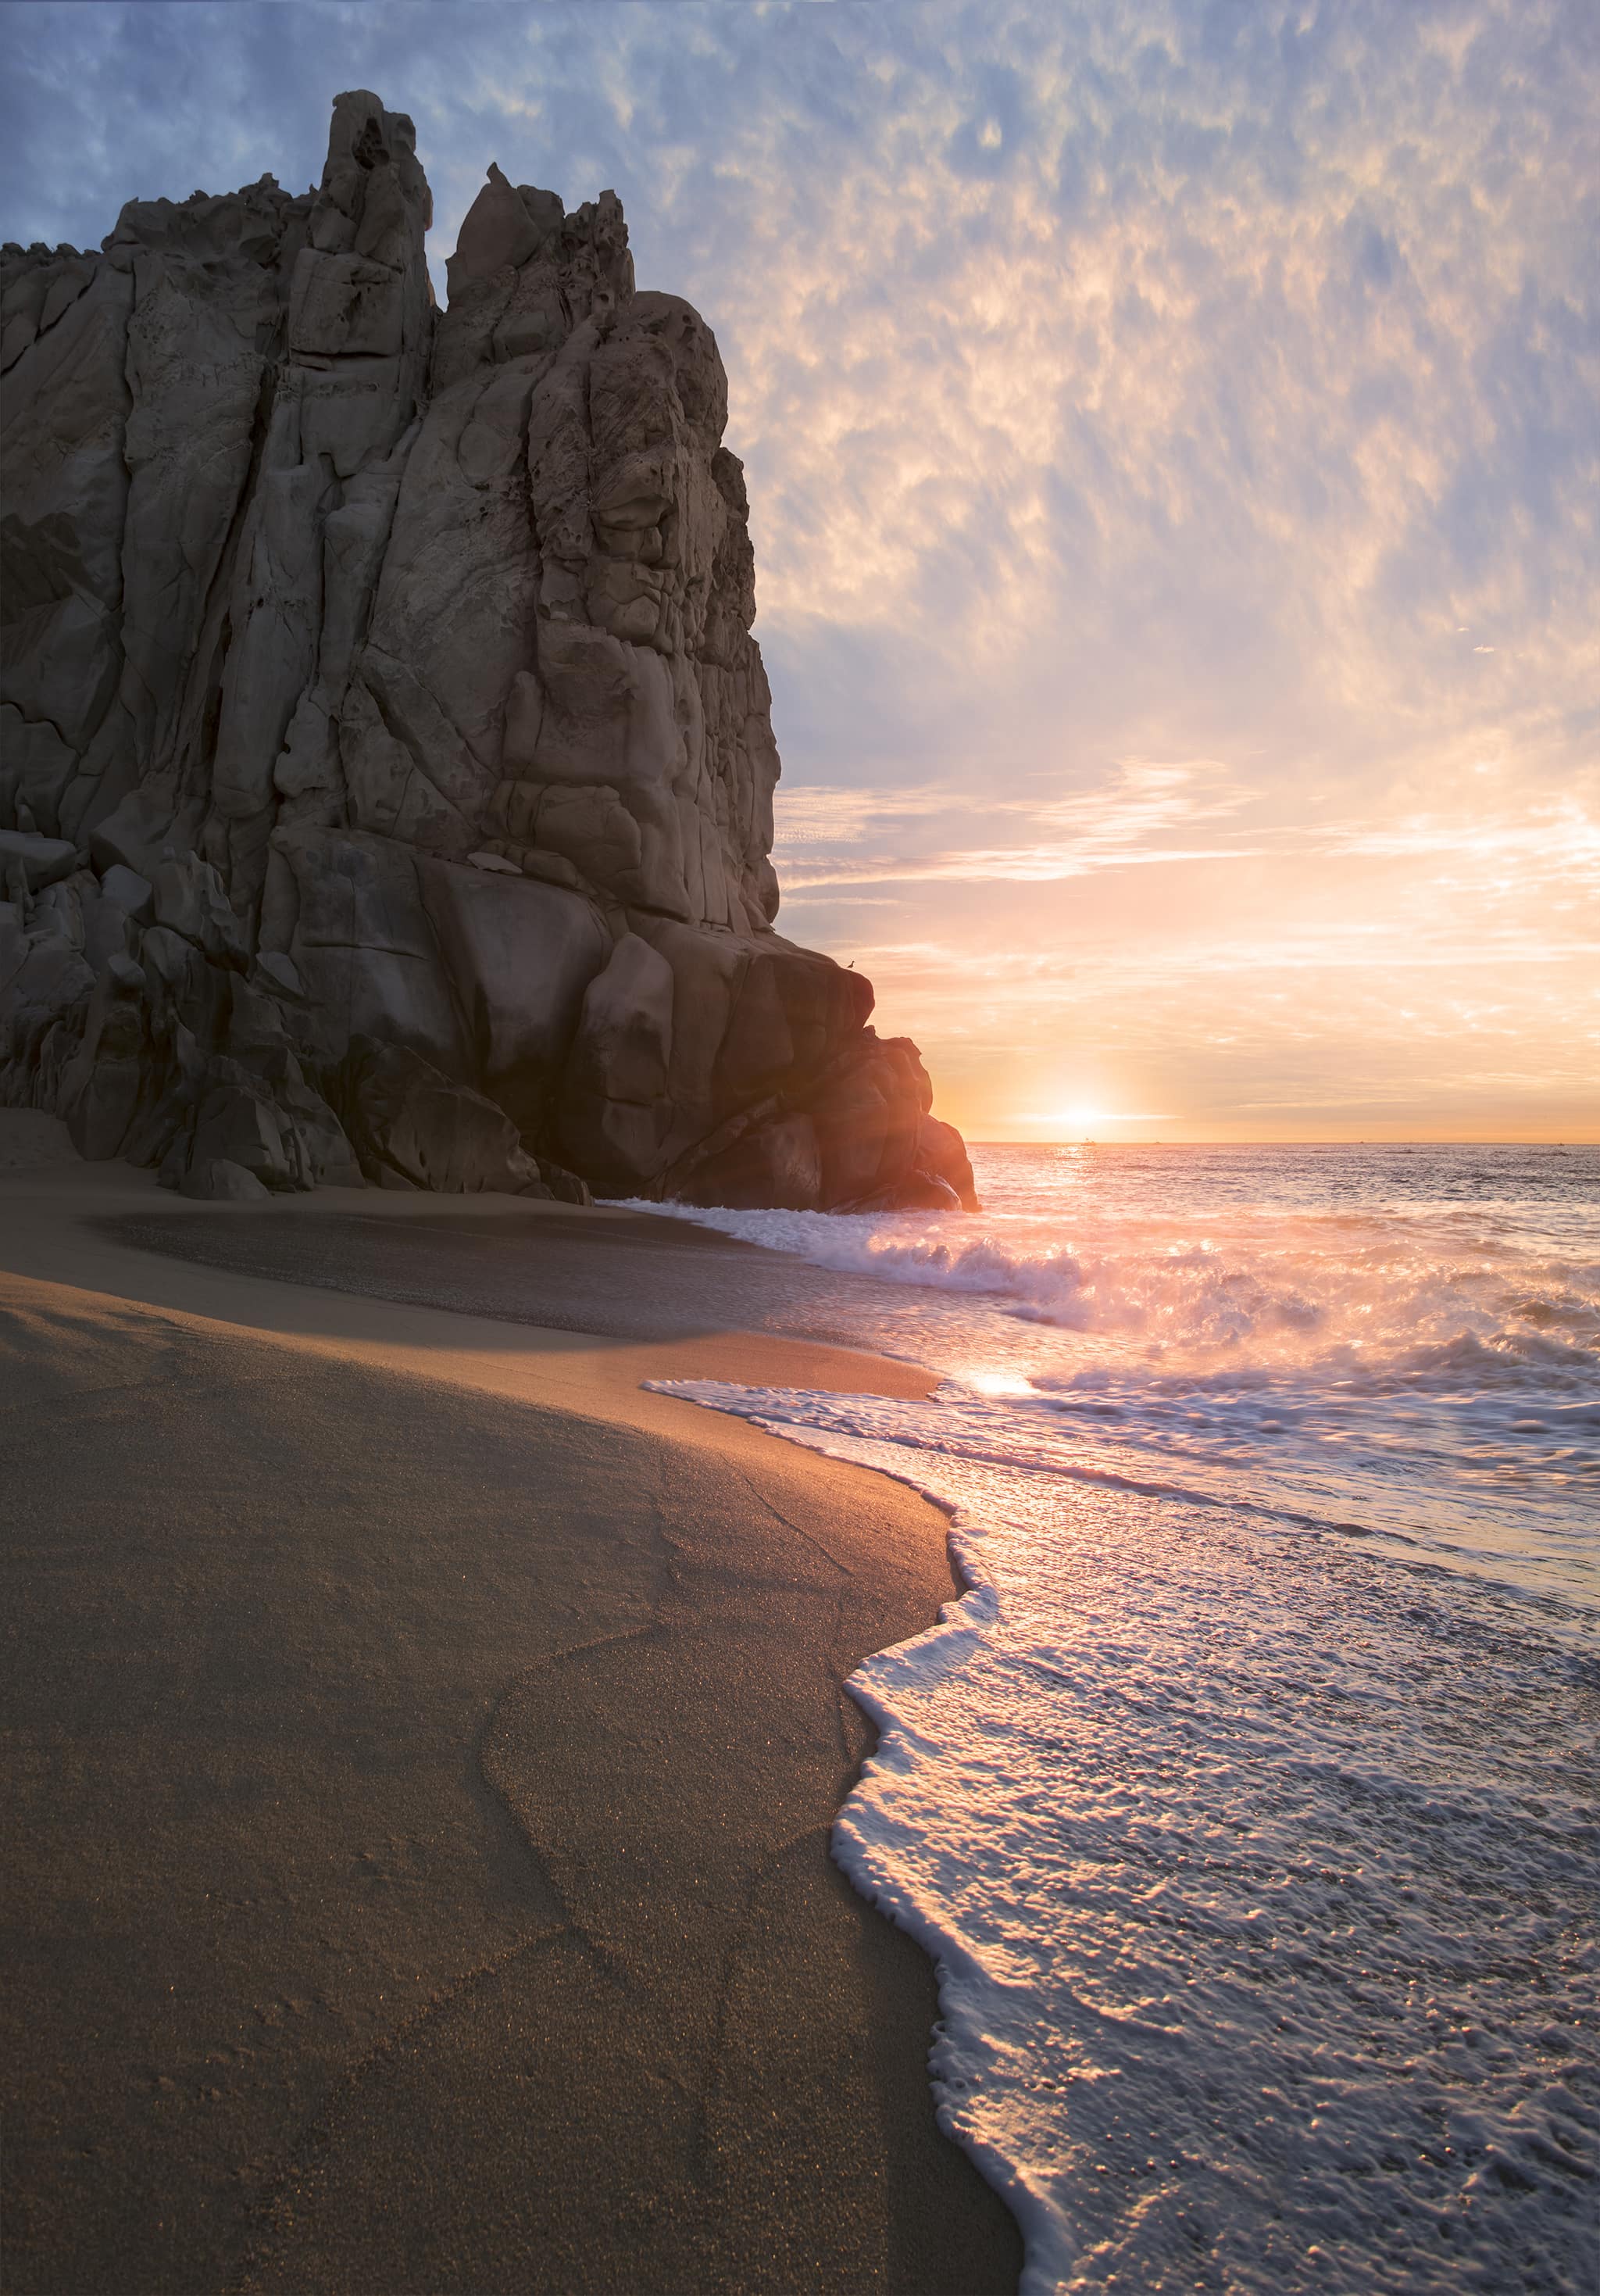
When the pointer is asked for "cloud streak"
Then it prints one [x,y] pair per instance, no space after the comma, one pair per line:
[1119,386]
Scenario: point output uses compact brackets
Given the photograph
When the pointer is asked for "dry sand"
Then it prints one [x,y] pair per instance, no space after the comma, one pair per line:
[422,1750]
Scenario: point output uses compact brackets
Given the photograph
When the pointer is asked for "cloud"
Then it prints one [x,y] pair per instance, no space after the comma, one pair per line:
[1126,383]
[1128,820]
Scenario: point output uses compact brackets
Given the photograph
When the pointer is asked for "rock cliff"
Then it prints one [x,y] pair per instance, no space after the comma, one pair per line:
[385,763]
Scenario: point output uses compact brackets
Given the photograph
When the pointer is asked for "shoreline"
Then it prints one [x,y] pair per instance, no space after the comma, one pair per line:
[427,1745]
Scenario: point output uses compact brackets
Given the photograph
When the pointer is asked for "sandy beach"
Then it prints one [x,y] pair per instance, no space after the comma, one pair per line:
[423,1743]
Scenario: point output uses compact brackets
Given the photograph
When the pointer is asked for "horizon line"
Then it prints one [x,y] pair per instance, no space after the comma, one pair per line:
[1432,1140]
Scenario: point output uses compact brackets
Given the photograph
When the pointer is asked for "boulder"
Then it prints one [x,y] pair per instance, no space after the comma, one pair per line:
[615,1109]
[326,1155]
[405,1117]
[524,954]
[565,1186]
[135,833]
[851,1117]
[219,1181]
[33,861]
[240,1124]
[776,1163]
[940,1154]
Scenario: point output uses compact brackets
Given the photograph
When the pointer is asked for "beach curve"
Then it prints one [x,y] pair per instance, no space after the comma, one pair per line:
[427,1742]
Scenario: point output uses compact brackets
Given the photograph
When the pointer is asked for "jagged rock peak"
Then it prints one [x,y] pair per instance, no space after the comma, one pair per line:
[383,731]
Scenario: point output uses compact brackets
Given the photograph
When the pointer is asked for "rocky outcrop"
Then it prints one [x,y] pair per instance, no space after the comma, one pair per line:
[386,762]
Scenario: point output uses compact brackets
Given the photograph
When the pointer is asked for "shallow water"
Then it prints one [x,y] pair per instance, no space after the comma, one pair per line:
[1399,1343]
[1248,1801]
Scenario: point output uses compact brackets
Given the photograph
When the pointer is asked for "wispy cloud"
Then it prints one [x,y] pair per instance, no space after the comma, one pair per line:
[1133,384]
[840,836]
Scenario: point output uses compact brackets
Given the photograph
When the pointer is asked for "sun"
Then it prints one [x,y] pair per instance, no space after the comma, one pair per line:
[1081,1119]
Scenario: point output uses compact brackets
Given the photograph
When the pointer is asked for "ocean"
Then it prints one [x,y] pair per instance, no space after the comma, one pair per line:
[1247,1800]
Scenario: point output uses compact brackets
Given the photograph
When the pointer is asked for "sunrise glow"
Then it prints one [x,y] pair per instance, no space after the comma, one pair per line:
[1080,1118]
[1182,640]
[800,1145]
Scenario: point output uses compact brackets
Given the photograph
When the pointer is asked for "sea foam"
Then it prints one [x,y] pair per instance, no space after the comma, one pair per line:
[1248,1800]
[1258,1874]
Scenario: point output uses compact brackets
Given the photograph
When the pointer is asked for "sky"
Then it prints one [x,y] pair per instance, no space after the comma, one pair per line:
[1174,455]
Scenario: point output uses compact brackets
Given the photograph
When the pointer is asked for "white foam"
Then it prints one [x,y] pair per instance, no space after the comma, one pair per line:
[1281,1287]
[1247,1801]
[1426,1371]
[1259,1875]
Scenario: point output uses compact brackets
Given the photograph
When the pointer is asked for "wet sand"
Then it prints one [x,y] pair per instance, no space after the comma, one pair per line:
[422,1749]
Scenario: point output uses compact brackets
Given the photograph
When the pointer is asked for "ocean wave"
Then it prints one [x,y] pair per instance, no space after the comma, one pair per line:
[1347,1292]
[1245,1800]
[1256,1873]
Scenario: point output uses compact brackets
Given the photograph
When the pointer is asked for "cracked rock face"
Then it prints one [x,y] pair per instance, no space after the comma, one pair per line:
[385,763]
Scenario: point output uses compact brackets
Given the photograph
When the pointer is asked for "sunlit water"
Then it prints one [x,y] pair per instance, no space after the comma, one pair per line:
[1248,1799]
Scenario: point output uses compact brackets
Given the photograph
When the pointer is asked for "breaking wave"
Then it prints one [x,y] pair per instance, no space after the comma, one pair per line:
[1248,1801]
